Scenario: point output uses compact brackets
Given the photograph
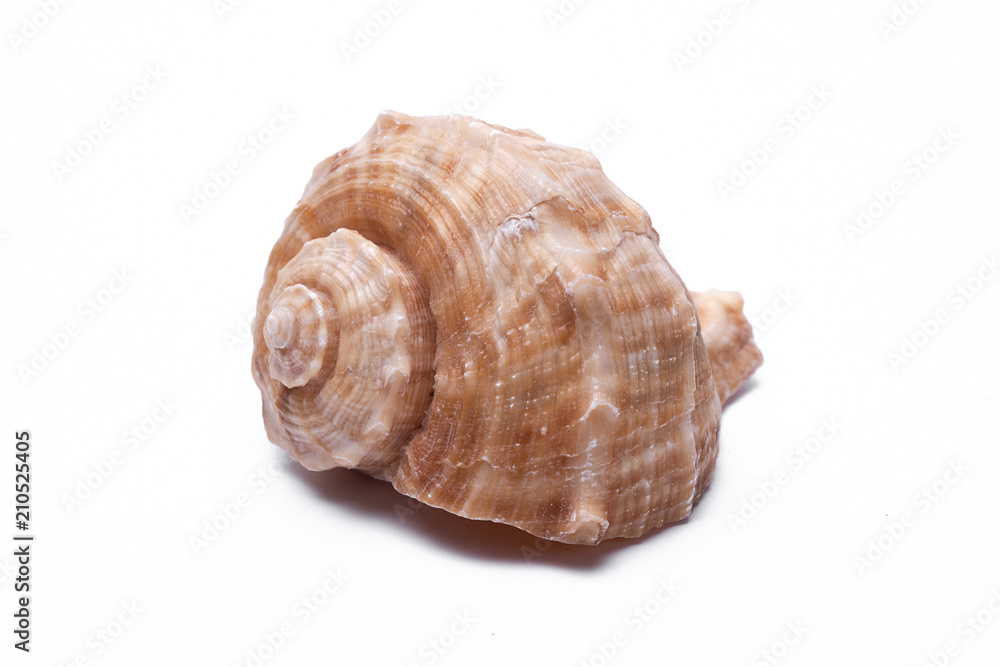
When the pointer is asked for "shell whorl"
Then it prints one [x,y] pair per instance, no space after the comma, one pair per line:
[546,369]
[297,335]
[350,345]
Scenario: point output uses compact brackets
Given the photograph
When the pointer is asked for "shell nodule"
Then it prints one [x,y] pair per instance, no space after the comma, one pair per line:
[483,319]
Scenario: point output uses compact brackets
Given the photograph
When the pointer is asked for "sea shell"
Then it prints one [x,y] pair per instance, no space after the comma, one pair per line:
[482,318]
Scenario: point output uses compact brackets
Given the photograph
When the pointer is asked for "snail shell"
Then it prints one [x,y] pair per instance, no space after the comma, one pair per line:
[482,318]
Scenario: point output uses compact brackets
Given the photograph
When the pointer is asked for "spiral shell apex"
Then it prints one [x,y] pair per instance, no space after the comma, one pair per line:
[482,318]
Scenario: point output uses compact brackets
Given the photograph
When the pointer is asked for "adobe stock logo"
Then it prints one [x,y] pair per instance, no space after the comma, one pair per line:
[699,42]
[923,501]
[435,647]
[899,16]
[249,149]
[371,30]
[223,8]
[559,14]
[795,461]
[32,24]
[785,128]
[485,88]
[86,312]
[783,301]
[966,632]
[131,441]
[634,621]
[927,329]
[230,511]
[778,649]
[120,110]
[104,637]
[267,644]
[913,169]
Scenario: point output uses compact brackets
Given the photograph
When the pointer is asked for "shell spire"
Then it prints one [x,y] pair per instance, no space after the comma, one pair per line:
[482,318]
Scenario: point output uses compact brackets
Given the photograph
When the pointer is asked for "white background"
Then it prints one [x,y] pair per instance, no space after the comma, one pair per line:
[831,303]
